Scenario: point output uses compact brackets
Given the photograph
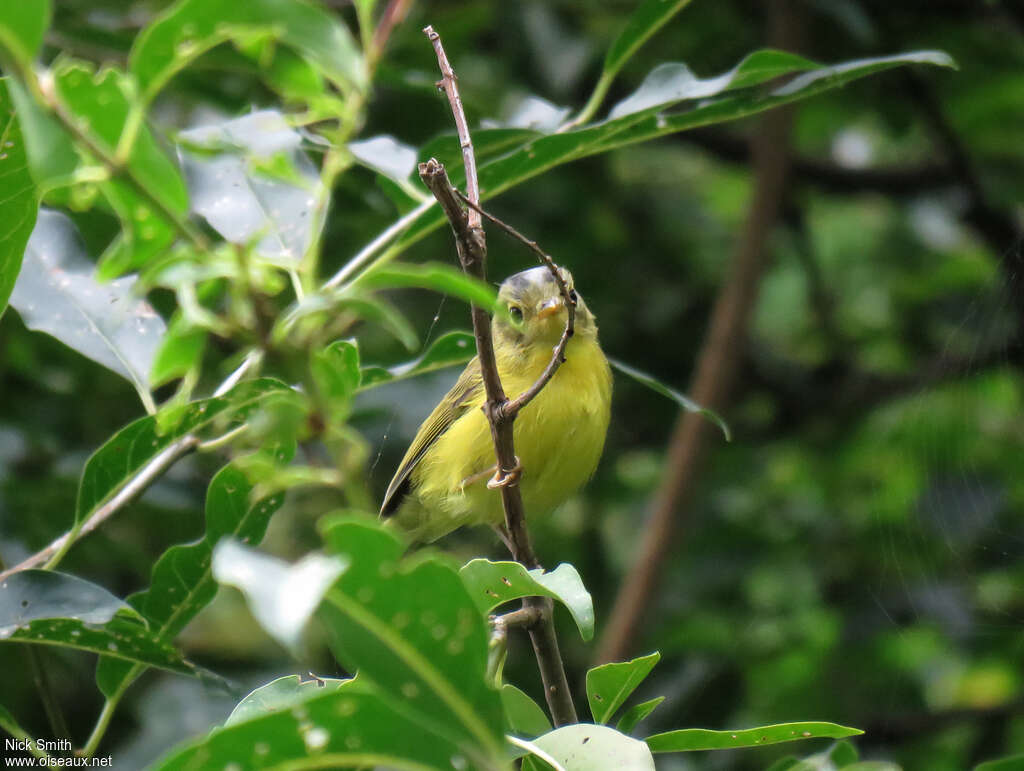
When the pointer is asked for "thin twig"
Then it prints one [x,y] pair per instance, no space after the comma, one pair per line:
[513,406]
[524,618]
[149,473]
[472,250]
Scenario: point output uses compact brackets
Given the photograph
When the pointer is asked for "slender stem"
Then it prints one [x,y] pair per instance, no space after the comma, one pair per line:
[11,726]
[471,245]
[102,723]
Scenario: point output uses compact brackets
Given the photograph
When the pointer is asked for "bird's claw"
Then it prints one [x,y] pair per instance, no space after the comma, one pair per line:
[506,478]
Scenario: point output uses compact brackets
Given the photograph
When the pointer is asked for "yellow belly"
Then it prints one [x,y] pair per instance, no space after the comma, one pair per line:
[559,437]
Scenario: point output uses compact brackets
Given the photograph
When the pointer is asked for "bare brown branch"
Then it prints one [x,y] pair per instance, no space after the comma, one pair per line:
[472,250]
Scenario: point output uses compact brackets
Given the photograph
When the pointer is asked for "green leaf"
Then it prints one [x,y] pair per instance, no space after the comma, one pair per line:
[632,716]
[225,164]
[182,582]
[22,27]
[672,82]
[322,309]
[585,747]
[385,154]
[336,370]
[52,159]
[280,694]
[190,27]
[411,628]
[19,203]
[282,597]
[119,460]
[49,608]
[352,726]
[609,685]
[523,716]
[492,584]
[431,275]
[57,293]
[180,351]
[1010,763]
[448,350]
[105,104]
[682,400]
[543,153]
[690,739]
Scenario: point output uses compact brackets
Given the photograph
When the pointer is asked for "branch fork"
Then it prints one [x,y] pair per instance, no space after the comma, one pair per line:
[501,412]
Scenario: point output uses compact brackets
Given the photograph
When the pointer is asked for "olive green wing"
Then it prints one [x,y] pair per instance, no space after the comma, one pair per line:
[453,406]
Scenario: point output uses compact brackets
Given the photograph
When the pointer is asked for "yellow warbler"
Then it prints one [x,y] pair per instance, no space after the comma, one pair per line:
[441,483]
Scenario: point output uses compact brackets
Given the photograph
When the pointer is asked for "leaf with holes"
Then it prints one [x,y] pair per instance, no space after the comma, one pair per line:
[352,726]
[182,581]
[492,584]
[411,628]
[609,685]
[699,739]
[49,608]
[280,694]
[585,747]
[19,203]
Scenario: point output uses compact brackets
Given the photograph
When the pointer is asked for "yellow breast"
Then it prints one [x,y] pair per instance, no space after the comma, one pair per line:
[559,437]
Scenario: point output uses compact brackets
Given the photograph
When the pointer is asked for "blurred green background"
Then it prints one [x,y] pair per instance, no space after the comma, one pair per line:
[854,555]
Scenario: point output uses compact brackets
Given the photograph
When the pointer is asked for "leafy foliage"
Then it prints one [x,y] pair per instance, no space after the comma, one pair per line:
[213,175]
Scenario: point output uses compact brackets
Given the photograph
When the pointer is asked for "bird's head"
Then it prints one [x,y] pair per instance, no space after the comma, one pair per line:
[537,309]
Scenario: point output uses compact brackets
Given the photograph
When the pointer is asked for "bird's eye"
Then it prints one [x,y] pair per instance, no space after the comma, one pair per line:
[573,296]
[516,312]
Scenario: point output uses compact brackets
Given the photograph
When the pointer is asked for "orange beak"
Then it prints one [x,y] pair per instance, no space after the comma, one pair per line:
[550,308]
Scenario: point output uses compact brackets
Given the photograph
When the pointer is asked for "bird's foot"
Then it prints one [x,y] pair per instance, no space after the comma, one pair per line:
[506,477]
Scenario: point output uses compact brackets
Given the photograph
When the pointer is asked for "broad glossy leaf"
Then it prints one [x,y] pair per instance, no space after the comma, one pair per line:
[585,747]
[411,628]
[543,153]
[182,583]
[448,350]
[690,739]
[352,726]
[282,596]
[57,293]
[632,716]
[523,716]
[22,27]
[102,103]
[190,27]
[135,445]
[492,584]
[19,202]
[279,694]
[49,608]
[609,685]
[387,155]
[679,398]
[431,275]
[244,203]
